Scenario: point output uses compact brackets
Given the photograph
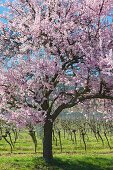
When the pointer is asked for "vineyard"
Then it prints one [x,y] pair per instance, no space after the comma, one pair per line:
[70,135]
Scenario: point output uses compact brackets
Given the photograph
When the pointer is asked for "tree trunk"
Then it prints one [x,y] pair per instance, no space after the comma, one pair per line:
[47,142]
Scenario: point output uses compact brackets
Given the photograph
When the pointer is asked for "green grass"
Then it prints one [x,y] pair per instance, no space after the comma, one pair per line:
[73,156]
[61,161]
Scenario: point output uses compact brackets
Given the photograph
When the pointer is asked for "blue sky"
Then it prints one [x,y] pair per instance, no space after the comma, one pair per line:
[1,8]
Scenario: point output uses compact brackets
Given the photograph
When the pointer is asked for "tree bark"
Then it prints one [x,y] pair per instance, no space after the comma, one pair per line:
[47,142]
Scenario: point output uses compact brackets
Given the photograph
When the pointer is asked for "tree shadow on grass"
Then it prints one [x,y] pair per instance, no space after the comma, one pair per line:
[88,163]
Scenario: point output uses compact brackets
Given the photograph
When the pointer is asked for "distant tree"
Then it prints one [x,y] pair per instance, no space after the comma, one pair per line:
[60,54]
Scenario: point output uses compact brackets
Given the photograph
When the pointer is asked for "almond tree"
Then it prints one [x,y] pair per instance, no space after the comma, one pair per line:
[57,54]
